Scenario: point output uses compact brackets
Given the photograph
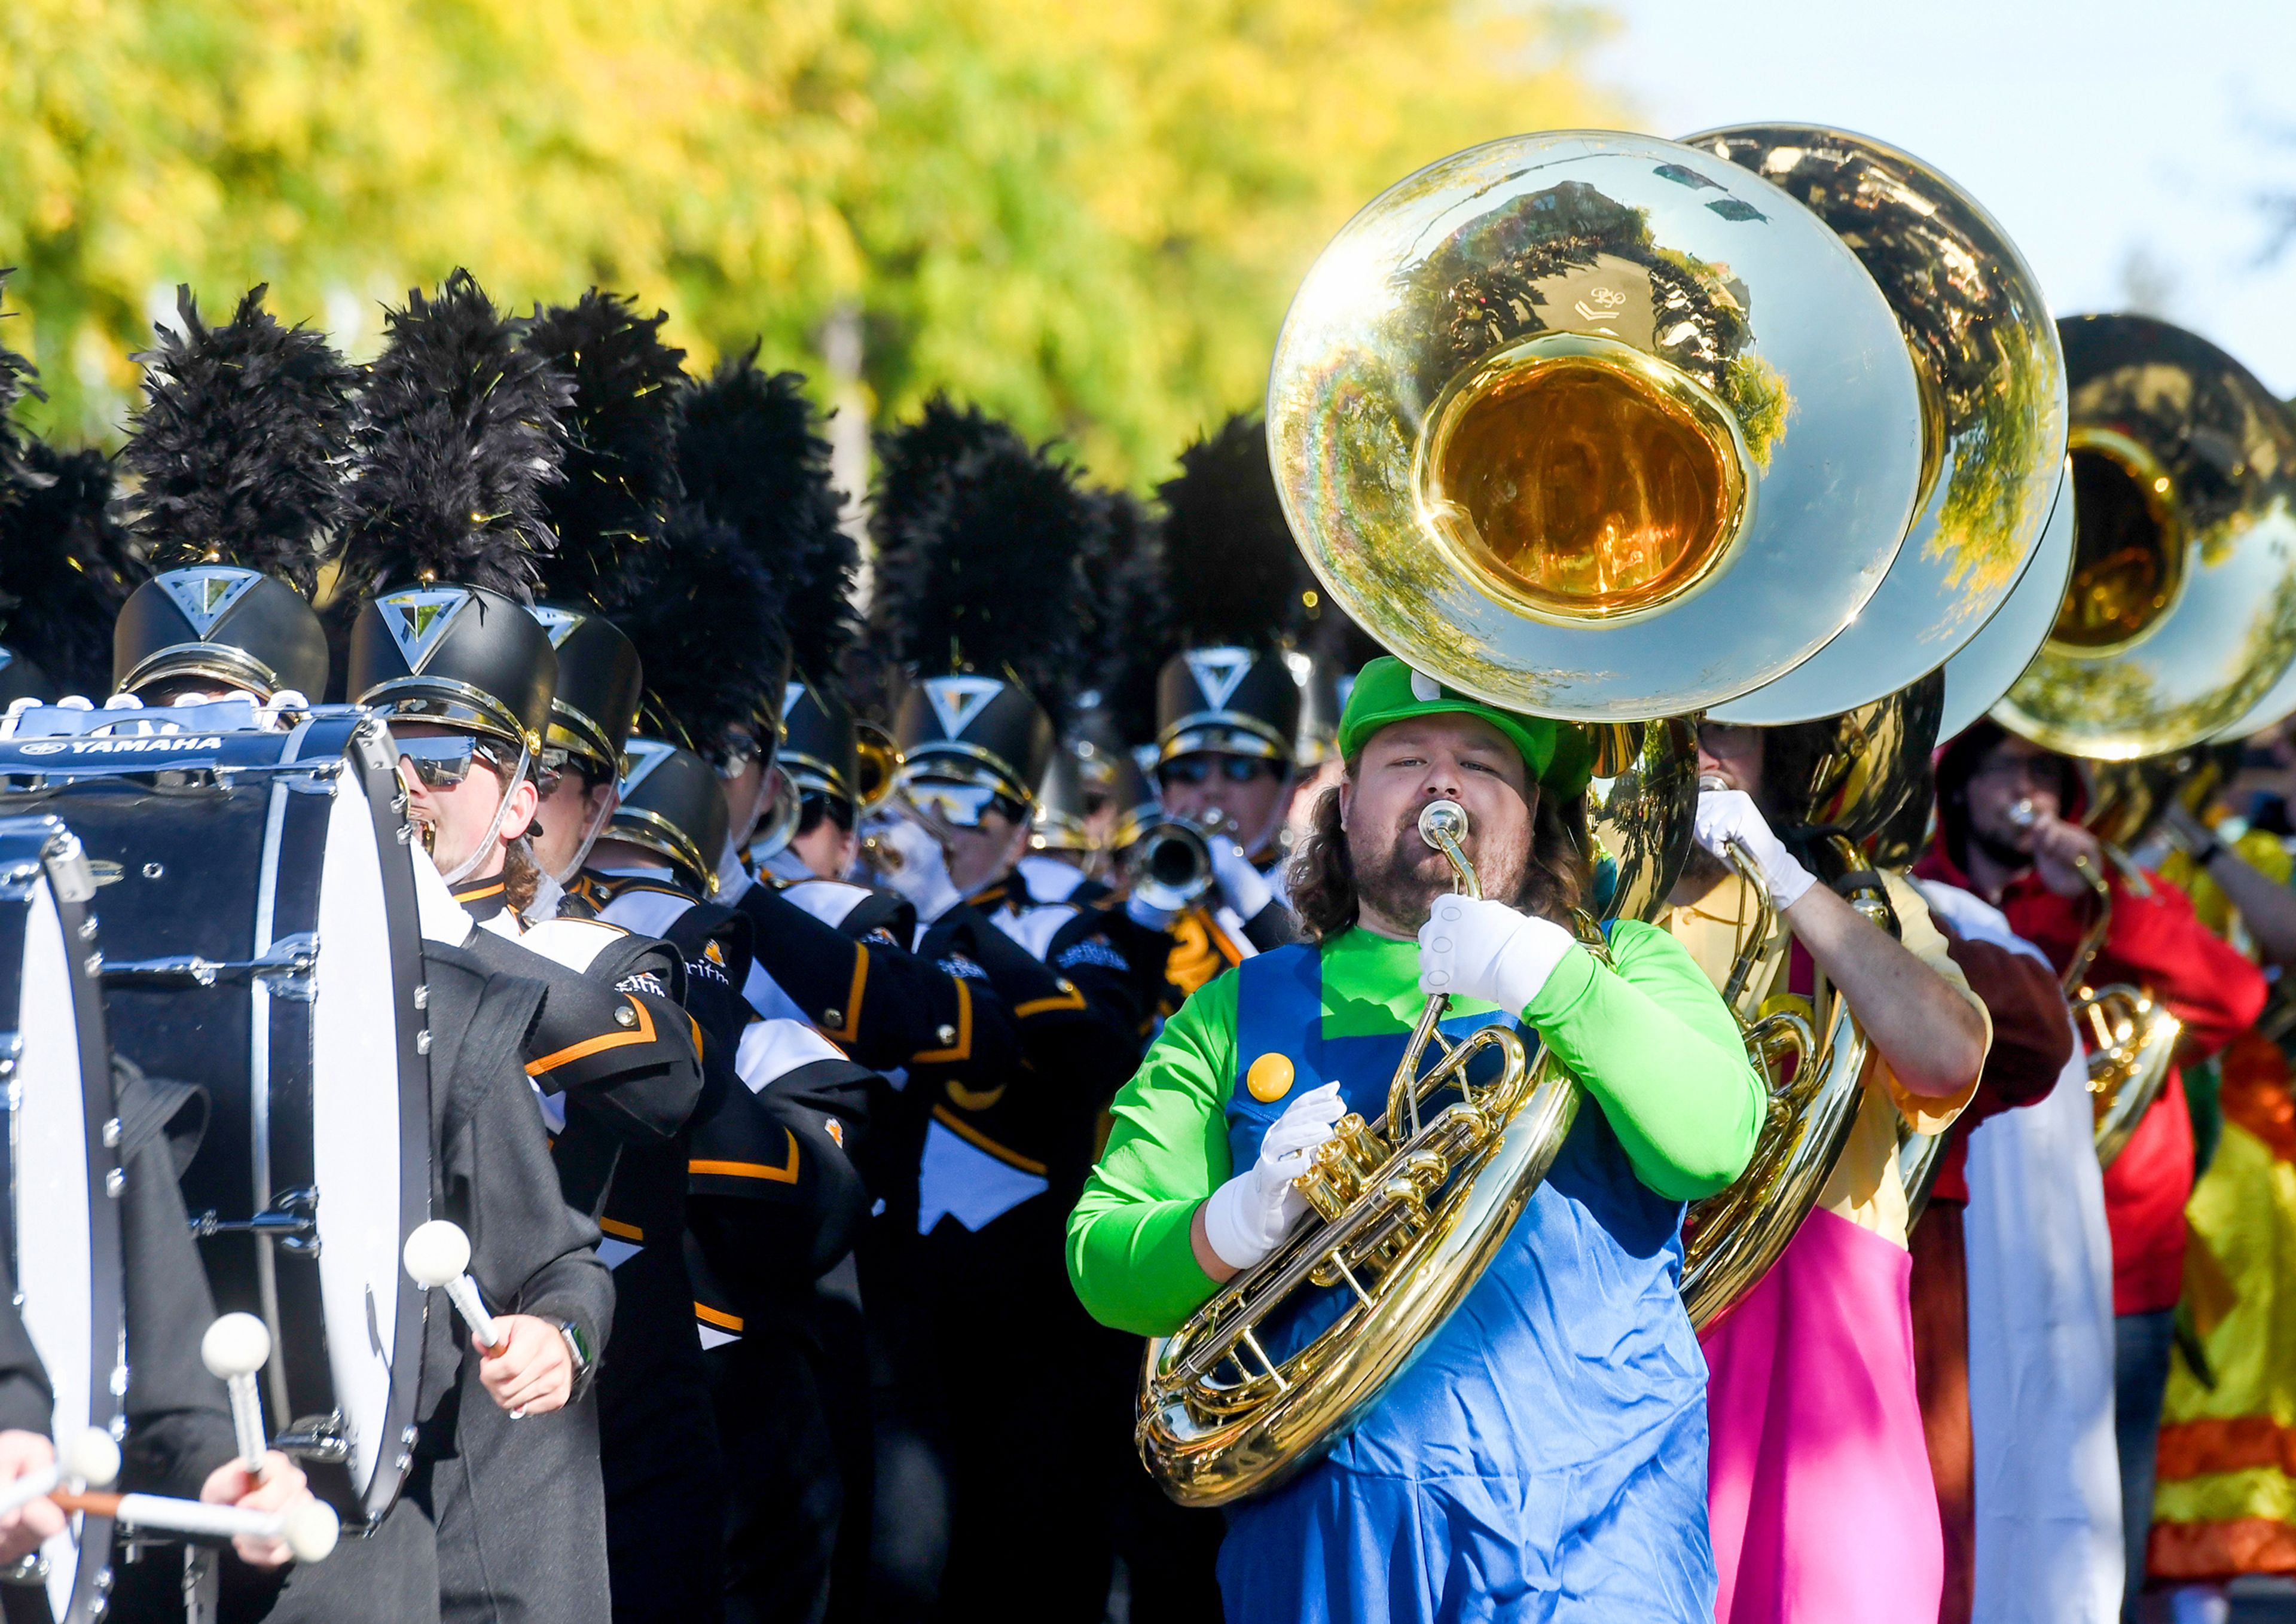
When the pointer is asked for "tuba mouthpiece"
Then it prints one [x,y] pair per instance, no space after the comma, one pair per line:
[1440,821]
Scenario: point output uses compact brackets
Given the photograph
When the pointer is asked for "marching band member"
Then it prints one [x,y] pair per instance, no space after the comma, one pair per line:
[982,549]
[1987,778]
[1227,706]
[1545,1451]
[1817,1423]
[444,647]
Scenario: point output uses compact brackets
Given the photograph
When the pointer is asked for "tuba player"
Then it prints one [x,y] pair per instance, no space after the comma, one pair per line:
[1544,1455]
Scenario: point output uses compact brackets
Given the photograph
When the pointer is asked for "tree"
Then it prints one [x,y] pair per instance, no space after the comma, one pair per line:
[1086,216]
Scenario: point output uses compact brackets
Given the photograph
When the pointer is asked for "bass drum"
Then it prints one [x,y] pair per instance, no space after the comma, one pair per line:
[261,941]
[62,1228]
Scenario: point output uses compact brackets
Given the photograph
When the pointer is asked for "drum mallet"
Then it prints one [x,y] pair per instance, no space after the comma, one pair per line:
[309,1527]
[235,1348]
[437,1255]
[91,1457]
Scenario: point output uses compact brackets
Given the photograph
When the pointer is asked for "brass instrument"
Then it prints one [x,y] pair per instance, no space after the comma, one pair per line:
[1992,381]
[1814,1067]
[1408,1211]
[2180,624]
[2131,1040]
[1170,864]
[879,768]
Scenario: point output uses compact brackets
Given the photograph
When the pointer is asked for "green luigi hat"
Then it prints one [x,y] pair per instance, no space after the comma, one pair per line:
[1560,755]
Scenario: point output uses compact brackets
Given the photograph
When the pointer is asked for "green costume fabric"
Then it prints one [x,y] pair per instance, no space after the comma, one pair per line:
[1656,1049]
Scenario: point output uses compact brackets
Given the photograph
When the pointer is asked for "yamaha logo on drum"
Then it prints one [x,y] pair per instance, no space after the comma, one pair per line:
[169,743]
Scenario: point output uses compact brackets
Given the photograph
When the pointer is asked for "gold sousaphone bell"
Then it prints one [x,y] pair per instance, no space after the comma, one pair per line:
[1611,430]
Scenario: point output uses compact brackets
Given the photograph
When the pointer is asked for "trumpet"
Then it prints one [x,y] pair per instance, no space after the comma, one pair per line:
[1407,1210]
[1171,865]
[2129,1038]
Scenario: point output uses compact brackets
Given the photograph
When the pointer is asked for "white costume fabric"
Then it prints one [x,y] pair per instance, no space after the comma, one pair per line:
[2040,1345]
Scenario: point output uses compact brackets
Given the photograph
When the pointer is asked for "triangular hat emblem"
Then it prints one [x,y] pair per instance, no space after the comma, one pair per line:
[205,591]
[1219,672]
[558,622]
[956,700]
[418,617]
[790,691]
[640,756]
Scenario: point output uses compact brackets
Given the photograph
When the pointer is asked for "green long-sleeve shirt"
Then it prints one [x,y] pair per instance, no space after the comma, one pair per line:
[1653,1044]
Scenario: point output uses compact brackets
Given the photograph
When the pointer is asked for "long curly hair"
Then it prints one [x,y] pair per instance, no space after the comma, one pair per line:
[1556,880]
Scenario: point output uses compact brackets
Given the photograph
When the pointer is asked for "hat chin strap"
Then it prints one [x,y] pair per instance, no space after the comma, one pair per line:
[462,870]
[598,822]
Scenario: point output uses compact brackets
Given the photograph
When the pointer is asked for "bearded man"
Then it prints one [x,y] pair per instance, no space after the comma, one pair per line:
[1544,1455]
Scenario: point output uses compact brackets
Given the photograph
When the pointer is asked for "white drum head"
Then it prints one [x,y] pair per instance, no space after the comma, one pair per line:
[56,1234]
[357,1127]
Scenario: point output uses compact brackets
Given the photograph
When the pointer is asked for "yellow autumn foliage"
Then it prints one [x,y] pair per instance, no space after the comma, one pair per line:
[1086,214]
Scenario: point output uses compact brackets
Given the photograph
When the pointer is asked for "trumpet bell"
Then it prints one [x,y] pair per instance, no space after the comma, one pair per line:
[878,764]
[1993,395]
[1597,426]
[2180,620]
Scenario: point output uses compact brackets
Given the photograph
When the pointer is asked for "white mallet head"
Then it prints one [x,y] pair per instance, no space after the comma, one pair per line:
[437,1251]
[91,1458]
[236,1345]
[310,1529]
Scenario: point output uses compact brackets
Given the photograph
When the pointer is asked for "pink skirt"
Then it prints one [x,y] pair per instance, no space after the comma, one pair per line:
[1818,1482]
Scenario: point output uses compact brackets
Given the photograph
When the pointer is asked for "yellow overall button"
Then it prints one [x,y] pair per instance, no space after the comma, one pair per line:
[1270,1076]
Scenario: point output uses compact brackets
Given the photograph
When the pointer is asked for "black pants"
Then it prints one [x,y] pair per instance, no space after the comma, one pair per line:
[785,1493]
[1031,1400]
[658,1451]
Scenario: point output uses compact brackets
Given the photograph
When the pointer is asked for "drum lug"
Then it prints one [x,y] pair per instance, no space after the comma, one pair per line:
[292,1220]
[285,967]
[316,1438]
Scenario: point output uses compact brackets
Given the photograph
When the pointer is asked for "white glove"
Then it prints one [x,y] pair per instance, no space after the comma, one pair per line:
[1731,815]
[1241,886]
[921,873]
[1484,949]
[1247,1217]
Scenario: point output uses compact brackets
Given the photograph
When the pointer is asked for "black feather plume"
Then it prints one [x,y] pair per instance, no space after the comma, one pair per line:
[458,435]
[1126,614]
[66,565]
[18,377]
[619,467]
[982,559]
[239,449]
[1232,571]
[706,620]
[749,458]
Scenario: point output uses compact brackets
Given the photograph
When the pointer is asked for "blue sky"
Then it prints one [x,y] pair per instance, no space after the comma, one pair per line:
[2122,145]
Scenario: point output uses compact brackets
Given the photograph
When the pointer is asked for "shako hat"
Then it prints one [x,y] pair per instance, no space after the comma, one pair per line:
[239,456]
[1238,593]
[751,463]
[608,511]
[459,435]
[671,805]
[982,545]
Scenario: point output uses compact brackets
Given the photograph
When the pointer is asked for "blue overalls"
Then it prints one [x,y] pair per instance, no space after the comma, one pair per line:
[1544,1457]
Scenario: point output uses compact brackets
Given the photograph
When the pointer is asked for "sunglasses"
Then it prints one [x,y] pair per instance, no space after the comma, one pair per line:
[814,806]
[444,761]
[1200,769]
